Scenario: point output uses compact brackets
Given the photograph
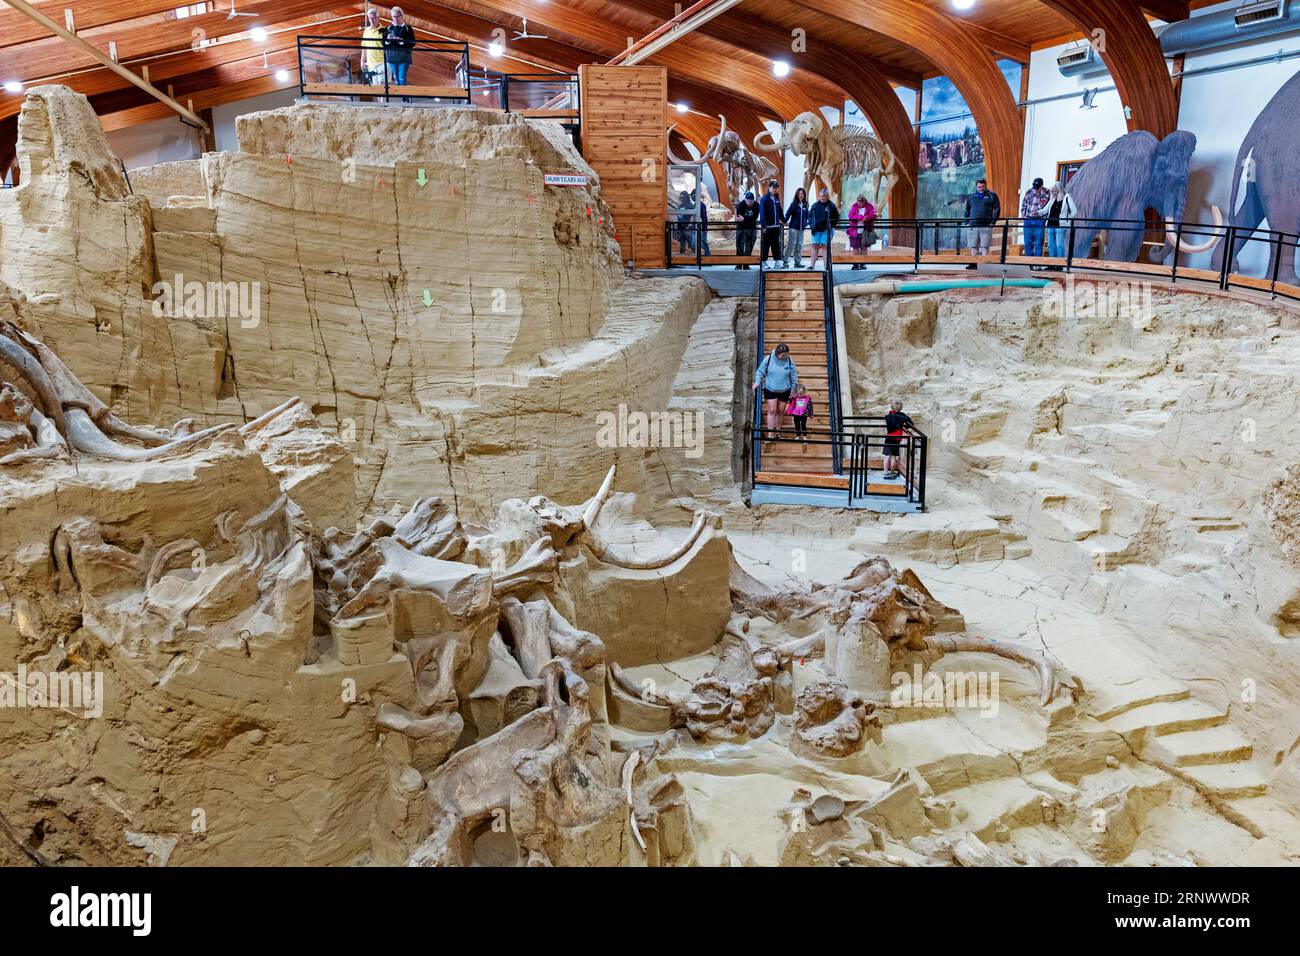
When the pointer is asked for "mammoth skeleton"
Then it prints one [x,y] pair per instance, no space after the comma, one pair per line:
[831,153]
[746,169]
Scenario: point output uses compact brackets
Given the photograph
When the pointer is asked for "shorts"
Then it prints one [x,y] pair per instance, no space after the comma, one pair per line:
[892,448]
[821,238]
[981,237]
[780,396]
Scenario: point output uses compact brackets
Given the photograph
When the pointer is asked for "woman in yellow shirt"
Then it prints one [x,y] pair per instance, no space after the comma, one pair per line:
[372,49]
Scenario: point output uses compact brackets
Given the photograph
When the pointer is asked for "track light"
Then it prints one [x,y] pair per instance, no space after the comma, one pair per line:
[781,68]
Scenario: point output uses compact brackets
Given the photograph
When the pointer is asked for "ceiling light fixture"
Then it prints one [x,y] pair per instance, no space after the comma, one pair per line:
[282,76]
[781,68]
[258,34]
[13,86]
[963,4]
[682,107]
[496,48]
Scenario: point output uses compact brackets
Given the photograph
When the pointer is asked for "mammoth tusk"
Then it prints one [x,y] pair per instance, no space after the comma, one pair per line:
[1188,248]
[629,769]
[766,137]
[592,511]
[1049,681]
[84,435]
[112,425]
[610,555]
[722,132]
[677,160]
[11,353]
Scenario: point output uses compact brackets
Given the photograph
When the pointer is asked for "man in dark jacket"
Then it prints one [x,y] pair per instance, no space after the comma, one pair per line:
[983,209]
[771,219]
[747,228]
[703,225]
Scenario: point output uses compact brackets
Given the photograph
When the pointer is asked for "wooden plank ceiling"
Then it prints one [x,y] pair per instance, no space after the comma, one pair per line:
[838,49]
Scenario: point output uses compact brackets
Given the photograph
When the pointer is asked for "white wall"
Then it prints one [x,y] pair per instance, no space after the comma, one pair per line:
[162,141]
[1054,130]
[223,117]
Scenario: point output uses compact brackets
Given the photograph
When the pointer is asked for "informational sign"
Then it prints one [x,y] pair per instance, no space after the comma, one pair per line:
[566,179]
[1087,143]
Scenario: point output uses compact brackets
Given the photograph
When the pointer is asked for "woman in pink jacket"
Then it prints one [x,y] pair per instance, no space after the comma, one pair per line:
[862,216]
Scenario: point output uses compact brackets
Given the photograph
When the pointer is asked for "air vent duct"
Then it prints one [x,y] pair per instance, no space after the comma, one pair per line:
[1249,21]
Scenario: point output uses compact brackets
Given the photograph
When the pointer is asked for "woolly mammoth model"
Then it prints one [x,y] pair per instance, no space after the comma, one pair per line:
[746,170]
[1269,165]
[1135,173]
[832,152]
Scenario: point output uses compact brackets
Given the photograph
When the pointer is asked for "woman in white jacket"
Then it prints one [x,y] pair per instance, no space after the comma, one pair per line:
[1060,211]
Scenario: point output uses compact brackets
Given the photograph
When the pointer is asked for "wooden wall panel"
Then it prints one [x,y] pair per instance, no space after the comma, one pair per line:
[624,125]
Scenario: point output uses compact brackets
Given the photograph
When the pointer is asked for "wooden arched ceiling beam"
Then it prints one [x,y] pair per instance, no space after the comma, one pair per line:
[51,55]
[1131,51]
[686,57]
[958,50]
[854,74]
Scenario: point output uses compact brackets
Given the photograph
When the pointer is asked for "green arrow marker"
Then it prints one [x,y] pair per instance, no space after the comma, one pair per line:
[421,178]
[428,299]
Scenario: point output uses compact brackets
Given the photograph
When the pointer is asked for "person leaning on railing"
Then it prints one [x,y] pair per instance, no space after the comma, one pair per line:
[372,49]
[983,209]
[399,41]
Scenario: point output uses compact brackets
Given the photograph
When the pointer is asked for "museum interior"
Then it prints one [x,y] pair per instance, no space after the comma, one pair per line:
[926,365]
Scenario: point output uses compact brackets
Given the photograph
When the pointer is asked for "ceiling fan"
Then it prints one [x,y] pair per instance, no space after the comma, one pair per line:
[525,35]
[235,13]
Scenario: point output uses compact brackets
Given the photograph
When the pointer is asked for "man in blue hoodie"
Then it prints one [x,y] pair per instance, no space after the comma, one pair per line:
[771,218]
[778,377]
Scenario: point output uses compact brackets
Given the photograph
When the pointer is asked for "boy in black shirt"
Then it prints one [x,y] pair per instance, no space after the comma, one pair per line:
[895,424]
[747,230]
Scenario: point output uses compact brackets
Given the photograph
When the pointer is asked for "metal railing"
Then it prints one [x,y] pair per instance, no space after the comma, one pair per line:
[919,242]
[349,67]
[860,443]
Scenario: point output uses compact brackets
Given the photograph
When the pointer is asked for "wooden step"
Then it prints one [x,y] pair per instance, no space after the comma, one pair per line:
[802,480]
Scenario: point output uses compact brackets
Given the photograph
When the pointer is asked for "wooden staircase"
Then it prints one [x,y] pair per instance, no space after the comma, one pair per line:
[794,312]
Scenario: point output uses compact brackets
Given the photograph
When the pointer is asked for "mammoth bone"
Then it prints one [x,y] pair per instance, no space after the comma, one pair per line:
[611,554]
[745,168]
[59,399]
[832,153]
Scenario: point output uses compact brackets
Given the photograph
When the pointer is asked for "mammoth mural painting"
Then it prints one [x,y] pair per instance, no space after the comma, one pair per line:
[1268,165]
[1135,173]
[746,170]
[832,152]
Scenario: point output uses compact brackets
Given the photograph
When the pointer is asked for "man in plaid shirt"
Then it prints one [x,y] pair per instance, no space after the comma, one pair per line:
[1033,210]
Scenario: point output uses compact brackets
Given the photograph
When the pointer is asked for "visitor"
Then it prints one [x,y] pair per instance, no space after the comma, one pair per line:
[1033,210]
[896,424]
[372,49]
[772,221]
[747,231]
[983,209]
[796,221]
[822,216]
[862,216]
[685,213]
[800,409]
[399,40]
[778,377]
[702,227]
[1060,213]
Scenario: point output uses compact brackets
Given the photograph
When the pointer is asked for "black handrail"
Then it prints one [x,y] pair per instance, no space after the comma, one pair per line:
[1281,244]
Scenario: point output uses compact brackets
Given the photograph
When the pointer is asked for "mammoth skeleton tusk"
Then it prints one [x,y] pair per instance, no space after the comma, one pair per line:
[85,436]
[1188,248]
[611,555]
[766,137]
[629,687]
[1049,681]
[677,160]
[722,132]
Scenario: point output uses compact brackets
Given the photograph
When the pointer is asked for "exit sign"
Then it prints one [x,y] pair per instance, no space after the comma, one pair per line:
[1089,142]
